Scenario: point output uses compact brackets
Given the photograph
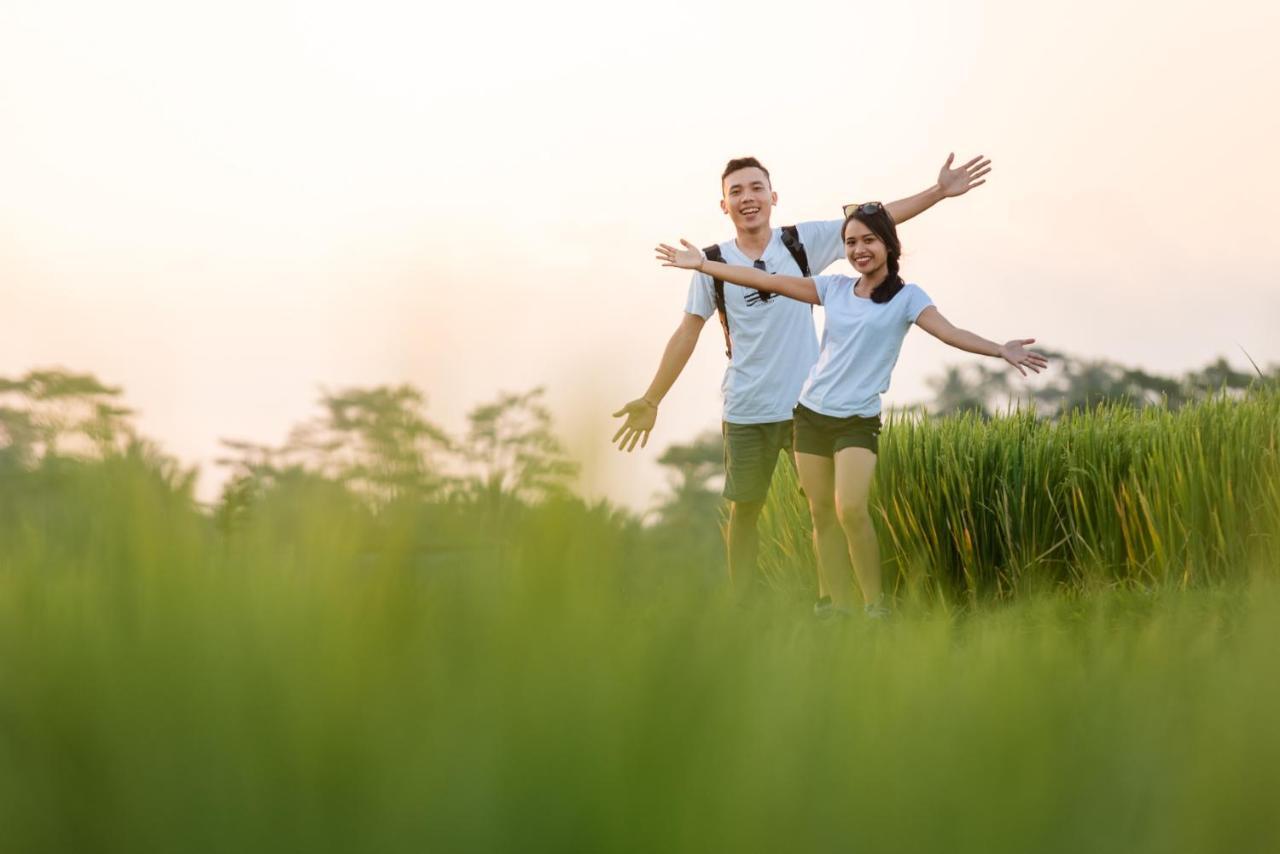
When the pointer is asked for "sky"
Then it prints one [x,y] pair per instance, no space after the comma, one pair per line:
[225,208]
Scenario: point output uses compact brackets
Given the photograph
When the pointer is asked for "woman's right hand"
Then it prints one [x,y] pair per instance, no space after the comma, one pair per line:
[688,258]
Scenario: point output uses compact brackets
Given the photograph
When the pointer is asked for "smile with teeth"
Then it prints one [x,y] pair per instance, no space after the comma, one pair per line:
[749,211]
[859,259]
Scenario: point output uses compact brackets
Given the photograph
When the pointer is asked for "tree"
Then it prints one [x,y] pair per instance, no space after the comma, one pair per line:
[255,468]
[51,411]
[967,389]
[1219,375]
[18,437]
[377,440]
[694,467]
[511,452]
[1078,383]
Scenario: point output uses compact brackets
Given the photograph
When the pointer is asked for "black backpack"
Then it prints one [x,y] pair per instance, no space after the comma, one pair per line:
[791,240]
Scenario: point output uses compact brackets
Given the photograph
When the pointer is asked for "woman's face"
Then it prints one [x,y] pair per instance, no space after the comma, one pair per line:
[866,252]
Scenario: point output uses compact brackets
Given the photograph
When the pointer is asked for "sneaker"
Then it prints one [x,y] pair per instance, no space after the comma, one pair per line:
[823,608]
[877,610]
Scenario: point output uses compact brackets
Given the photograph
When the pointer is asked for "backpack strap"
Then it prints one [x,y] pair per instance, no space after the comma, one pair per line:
[713,253]
[791,240]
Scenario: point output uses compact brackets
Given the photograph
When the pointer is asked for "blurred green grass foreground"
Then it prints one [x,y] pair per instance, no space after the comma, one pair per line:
[1083,657]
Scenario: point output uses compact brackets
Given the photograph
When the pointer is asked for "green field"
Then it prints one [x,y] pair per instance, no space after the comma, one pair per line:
[1083,659]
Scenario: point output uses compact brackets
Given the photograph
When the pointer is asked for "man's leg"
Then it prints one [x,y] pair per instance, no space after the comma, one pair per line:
[835,576]
[751,454]
[744,546]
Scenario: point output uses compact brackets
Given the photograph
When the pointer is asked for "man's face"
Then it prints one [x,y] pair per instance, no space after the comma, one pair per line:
[748,198]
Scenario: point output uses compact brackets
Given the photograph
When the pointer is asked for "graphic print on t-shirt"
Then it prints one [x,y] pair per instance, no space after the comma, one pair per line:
[757,297]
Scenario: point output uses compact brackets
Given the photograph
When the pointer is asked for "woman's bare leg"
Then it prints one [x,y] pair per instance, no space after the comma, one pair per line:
[823,592]
[854,470]
[817,477]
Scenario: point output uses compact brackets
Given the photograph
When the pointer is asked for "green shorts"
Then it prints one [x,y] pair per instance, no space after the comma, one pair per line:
[823,435]
[750,454]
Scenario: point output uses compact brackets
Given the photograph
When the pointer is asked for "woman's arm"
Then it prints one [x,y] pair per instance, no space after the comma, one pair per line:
[932,321]
[690,258]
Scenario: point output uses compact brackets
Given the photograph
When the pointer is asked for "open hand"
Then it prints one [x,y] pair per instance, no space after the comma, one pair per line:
[958,181]
[641,415]
[1014,353]
[688,258]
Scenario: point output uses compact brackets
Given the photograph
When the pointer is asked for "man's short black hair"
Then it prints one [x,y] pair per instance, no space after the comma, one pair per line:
[743,163]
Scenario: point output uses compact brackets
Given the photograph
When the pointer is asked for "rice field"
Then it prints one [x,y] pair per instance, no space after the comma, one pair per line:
[1083,659]
[970,510]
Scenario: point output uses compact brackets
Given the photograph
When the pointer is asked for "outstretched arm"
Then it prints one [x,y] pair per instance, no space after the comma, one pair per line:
[642,412]
[932,321]
[951,182]
[690,258]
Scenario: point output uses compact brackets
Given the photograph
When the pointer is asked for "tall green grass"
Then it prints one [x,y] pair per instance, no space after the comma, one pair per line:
[321,677]
[974,509]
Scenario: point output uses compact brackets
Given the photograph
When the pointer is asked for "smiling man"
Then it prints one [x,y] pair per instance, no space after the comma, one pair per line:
[770,340]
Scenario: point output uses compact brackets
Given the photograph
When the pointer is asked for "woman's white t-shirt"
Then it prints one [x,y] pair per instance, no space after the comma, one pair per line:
[860,345]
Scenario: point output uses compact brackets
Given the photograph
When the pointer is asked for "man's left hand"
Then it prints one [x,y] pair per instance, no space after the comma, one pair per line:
[962,179]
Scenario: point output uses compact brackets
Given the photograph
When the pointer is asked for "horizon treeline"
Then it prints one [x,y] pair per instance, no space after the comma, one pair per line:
[378,441]
[968,507]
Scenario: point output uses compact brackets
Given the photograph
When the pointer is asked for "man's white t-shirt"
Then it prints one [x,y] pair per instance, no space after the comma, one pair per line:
[774,340]
[860,345]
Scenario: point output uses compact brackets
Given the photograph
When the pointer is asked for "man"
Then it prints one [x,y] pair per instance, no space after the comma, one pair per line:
[771,340]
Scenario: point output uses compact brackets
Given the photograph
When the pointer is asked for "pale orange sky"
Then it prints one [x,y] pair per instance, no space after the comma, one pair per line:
[223,208]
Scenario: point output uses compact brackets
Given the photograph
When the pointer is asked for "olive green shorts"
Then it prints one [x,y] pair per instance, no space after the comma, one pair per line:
[750,455]
[823,435]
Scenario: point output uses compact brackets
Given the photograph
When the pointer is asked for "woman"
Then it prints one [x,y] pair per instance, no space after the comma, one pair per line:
[837,422]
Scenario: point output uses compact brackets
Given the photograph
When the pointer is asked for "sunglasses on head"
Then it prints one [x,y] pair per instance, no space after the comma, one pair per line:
[866,209]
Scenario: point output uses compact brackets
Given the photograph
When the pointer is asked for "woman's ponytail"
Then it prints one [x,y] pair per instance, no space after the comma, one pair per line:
[892,283]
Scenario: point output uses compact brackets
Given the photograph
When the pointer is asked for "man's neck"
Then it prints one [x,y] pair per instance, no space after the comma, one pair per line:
[753,243]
